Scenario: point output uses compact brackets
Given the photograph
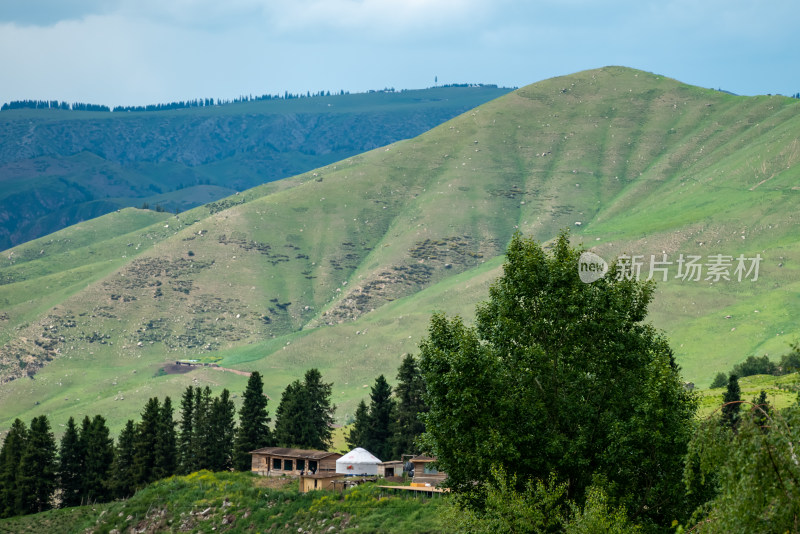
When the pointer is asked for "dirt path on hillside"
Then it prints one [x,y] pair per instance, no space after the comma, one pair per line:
[182,368]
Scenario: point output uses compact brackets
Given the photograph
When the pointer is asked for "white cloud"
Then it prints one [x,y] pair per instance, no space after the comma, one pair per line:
[144,51]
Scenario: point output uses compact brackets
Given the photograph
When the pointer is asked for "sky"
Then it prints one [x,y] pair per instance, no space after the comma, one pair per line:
[136,52]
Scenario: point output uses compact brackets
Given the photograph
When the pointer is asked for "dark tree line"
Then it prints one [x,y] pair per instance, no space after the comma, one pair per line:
[181,104]
[36,473]
[389,426]
[755,365]
[53,104]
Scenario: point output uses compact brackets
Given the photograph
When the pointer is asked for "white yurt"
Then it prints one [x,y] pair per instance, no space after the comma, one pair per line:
[358,462]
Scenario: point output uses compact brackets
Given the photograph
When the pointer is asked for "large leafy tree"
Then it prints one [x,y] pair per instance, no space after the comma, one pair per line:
[253,432]
[559,376]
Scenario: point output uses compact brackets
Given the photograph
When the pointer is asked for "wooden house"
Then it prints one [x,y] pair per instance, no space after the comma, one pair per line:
[425,473]
[277,461]
[393,468]
[319,481]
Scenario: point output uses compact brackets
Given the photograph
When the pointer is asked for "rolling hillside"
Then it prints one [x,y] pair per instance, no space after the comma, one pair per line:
[61,167]
[340,268]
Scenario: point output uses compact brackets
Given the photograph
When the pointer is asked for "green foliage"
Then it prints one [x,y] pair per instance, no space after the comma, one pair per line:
[166,461]
[755,472]
[790,362]
[356,437]
[253,432]
[539,507]
[146,444]
[222,430]
[71,464]
[122,474]
[201,434]
[98,449]
[380,420]
[409,393]
[559,376]
[598,517]
[37,468]
[11,453]
[731,402]
[187,450]
[305,414]
[755,366]
[720,381]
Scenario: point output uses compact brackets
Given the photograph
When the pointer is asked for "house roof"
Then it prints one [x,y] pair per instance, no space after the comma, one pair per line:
[423,458]
[295,453]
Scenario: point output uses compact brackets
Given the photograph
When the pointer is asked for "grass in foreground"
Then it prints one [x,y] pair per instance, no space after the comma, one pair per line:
[241,502]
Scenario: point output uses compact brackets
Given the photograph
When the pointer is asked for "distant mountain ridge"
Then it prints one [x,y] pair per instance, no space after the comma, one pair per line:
[60,167]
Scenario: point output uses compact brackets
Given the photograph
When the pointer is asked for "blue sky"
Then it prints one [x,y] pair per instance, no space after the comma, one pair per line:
[136,52]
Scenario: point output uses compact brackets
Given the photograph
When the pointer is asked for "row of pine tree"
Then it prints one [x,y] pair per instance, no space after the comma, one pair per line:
[36,473]
[86,466]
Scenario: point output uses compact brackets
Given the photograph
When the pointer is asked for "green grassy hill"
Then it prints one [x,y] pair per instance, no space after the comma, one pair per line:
[340,268]
[60,167]
[241,502]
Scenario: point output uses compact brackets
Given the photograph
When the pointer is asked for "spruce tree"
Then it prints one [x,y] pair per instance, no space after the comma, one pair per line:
[378,438]
[186,450]
[356,435]
[71,466]
[99,451]
[253,432]
[318,394]
[38,468]
[146,444]
[166,458]
[10,458]
[305,414]
[761,411]
[731,403]
[221,432]
[200,429]
[409,394]
[123,469]
[292,417]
